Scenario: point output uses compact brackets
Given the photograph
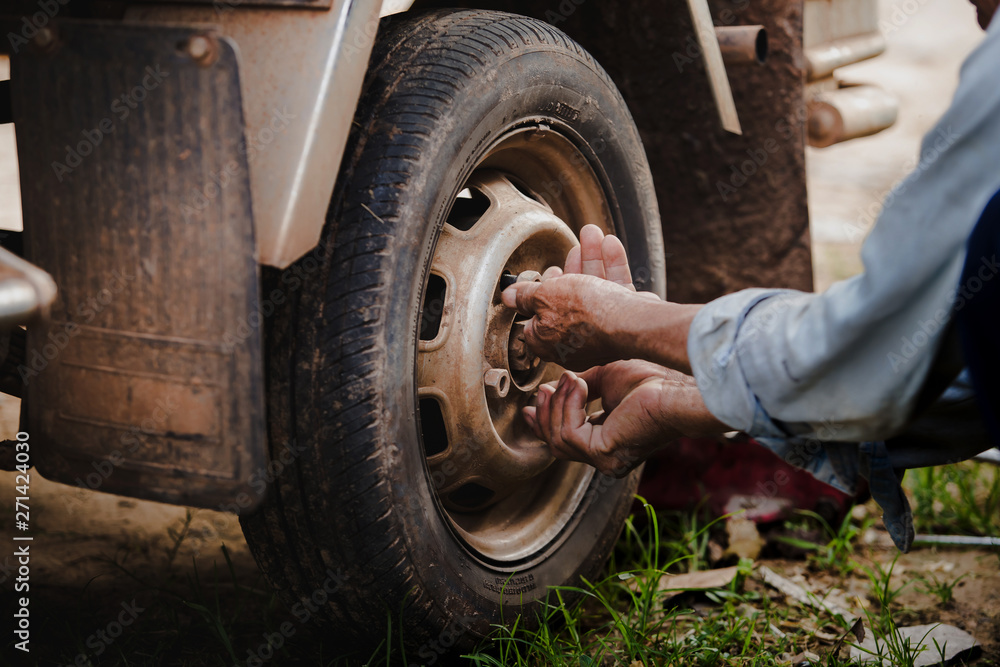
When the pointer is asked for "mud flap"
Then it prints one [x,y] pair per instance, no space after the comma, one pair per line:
[148,379]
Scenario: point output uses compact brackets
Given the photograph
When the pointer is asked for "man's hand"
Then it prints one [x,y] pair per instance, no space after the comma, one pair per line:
[597,255]
[576,319]
[578,312]
[590,314]
[646,407]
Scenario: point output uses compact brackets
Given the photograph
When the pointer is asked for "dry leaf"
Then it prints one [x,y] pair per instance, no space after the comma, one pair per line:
[792,590]
[706,580]
[858,630]
[805,656]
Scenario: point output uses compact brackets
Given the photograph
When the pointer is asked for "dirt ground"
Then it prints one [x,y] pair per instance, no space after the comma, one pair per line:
[976,597]
[82,537]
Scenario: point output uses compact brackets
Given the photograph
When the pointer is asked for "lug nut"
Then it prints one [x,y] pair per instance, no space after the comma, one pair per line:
[202,49]
[44,37]
[497,382]
[45,40]
[529,277]
[507,278]
[518,355]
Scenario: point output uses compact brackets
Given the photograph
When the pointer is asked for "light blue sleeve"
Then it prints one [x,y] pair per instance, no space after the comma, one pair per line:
[847,365]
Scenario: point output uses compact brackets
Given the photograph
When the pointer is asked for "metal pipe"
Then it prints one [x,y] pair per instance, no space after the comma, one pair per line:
[989,456]
[823,59]
[958,540]
[848,113]
[743,44]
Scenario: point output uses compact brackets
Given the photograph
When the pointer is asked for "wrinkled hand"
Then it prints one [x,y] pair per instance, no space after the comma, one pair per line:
[599,255]
[646,407]
[576,312]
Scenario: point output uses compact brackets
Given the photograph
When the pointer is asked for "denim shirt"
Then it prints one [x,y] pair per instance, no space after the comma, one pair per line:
[813,375]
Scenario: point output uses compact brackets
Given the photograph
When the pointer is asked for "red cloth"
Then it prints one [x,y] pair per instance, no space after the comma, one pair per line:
[733,475]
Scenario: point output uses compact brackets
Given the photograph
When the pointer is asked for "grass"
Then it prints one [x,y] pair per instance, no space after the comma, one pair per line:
[219,616]
[623,619]
[838,552]
[892,647]
[961,499]
[943,589]
[627,619]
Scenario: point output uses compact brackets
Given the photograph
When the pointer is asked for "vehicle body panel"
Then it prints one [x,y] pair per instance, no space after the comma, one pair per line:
[302,73]
[147,379]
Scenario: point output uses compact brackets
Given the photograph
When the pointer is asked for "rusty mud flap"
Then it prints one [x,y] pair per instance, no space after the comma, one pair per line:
[147,380]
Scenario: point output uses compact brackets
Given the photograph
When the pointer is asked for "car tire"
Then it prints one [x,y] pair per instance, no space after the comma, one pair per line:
[462,112]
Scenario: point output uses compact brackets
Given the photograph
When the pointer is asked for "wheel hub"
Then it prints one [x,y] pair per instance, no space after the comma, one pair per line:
[478,367]
[503,493]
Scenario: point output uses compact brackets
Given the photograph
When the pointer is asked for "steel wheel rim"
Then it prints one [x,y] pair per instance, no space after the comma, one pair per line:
[521,209]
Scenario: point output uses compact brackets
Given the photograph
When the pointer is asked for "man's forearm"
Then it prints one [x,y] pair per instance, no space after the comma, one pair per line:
[682,408]
[656,331]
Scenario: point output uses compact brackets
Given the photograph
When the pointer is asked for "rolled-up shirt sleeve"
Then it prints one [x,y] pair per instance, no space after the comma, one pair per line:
[848,364]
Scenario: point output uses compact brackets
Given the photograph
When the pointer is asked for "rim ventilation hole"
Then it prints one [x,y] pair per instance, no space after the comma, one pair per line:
[469,207]
[432,429]
[523,189]
[433,311]
[471,496]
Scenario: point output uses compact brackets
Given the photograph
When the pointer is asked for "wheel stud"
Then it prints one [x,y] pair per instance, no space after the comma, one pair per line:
[507,278]
[518,355]
[497,382]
